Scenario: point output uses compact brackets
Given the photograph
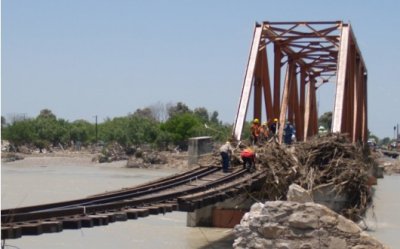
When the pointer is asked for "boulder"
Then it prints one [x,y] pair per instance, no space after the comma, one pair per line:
[298,194]
[289,225]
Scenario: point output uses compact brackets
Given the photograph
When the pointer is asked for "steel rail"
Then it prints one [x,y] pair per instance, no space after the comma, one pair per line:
[119,201]
[190,175]
[184,192]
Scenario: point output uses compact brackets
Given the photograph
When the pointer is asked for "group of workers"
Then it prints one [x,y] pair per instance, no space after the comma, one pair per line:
[247,155]
[259,134]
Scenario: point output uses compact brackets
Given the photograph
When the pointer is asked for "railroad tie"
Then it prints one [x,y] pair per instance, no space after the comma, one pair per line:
[120,216]
[11,232]
[132,214]
[154,209]
[31,229]
[99,220]
[86,221]
[72,223]
[52,226]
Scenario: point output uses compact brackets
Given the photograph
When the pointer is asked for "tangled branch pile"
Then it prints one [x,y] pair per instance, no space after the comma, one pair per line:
[328,160]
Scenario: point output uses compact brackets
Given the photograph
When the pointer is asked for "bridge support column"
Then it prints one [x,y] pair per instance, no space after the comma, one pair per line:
[227,213]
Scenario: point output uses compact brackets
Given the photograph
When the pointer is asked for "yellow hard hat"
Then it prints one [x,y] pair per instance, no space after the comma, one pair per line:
[256,121]
[275,120]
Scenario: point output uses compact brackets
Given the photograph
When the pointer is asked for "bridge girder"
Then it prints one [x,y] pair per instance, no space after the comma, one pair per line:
[311,54]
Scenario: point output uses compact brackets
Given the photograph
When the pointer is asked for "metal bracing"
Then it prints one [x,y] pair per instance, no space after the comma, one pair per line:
[311,54]
[248,79]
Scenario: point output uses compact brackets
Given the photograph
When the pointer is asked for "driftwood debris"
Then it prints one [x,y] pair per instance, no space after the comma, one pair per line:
[322,161]
[329,160]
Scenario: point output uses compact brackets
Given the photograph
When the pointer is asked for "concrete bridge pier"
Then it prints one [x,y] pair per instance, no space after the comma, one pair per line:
[199,146]
[225,214]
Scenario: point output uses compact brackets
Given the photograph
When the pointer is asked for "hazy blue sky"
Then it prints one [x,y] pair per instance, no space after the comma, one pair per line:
[81,58]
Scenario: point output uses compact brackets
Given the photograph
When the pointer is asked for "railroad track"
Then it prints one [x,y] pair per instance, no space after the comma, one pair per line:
[182,192]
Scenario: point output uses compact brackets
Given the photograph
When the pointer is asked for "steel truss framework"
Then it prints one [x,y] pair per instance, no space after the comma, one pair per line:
[311,54]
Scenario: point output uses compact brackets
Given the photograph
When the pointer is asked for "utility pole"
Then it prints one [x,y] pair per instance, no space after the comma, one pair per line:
[394,133]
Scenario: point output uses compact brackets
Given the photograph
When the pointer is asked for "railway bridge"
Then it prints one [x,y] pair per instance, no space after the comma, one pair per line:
[310,53]
[194,189]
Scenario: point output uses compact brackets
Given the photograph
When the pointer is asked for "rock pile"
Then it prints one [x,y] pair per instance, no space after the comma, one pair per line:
[10,157]
[287,225]
[145,159]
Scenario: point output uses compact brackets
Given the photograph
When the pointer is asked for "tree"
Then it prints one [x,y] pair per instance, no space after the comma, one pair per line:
[21,132]
[178,109]
[181,127]
[141,130]
[159,111]
[46,113]
[325,120]
[384,141]
[3,122]
[373,137]
[144,113]
[202,114]
[82,131]
[115,130]
[214,117]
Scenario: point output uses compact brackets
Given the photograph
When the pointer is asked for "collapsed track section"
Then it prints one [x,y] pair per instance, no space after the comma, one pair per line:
[182,192]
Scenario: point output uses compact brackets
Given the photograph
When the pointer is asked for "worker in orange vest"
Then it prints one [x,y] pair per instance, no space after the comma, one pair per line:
[249,159]
[263,132]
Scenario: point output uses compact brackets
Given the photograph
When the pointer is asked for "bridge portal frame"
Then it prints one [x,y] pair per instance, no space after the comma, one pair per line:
[311,54]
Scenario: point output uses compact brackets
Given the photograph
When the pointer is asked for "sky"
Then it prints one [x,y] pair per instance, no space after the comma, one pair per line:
[107,58]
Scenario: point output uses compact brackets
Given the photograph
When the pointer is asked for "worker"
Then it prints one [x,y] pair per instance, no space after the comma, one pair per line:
[226,152]
[249,158]
[255,131]
[272,127]
[289,133]
[263,132]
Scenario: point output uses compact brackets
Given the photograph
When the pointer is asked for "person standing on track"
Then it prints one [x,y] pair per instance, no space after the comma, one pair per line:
[226,152]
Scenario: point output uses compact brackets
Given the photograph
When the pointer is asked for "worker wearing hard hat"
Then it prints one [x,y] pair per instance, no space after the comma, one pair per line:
[272,127]
[255,131]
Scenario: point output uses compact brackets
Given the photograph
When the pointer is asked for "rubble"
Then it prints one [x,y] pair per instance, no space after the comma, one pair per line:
[145,159]
[325,162]
[10,157]
[298,194]
[390,165]
[329,160]
[286,225]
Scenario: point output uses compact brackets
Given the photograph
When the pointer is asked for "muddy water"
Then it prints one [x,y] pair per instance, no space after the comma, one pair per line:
[37,180]
[383,219]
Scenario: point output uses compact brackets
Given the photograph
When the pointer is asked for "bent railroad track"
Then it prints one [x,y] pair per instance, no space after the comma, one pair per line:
[182,192]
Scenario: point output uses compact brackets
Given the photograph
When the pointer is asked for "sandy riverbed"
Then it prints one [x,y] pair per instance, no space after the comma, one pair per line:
[174,160]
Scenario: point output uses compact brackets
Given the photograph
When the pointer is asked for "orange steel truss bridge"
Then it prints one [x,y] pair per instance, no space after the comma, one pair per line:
[310,54]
